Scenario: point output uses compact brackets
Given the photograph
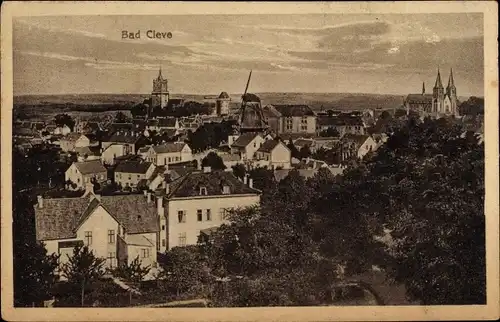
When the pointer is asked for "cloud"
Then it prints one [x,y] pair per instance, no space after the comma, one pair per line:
[92,62]
[33,24]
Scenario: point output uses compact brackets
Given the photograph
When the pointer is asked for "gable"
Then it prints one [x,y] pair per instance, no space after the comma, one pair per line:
[280,148]
[98,217]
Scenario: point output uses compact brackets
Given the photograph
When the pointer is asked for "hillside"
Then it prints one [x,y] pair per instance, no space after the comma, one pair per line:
[343,101]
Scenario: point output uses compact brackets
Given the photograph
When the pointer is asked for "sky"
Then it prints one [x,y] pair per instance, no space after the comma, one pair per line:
[207,54]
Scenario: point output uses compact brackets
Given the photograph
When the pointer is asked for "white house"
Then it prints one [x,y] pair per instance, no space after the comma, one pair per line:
[168,153]
[132,173]
[246,145]
[62,130]
[116,228]
[274,154]
[113,151]
[72,141]
[198,201]
[356,146]
[81,173]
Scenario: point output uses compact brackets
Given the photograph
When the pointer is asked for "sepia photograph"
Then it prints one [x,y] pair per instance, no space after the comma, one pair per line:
[249,159]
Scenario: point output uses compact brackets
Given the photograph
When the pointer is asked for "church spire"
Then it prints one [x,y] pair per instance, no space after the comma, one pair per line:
[438,84]
[423,88]
[451,82]
[159,74]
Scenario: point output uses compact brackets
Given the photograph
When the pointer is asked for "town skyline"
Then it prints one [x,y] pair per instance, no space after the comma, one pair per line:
[374,54]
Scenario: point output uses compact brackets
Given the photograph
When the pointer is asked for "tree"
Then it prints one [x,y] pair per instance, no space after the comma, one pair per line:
[239,170]
[120,117]
[473,106]
[400,113]
[184,269]
[133,272]
[64,119]
[295,153]
[425,187]
[34,272]
[83,268]
[213,161]
[305,152]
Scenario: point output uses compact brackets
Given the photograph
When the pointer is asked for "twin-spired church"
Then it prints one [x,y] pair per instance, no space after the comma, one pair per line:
[440,102]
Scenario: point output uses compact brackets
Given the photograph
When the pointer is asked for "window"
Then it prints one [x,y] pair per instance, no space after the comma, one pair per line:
[111,260]
[162,227]
[169,160]
[163,243]
[145,252]
[88,238]
[199,215]
[111,236]
[209,215]
[182,239]
[181,215]
[138,176]
[203,191]
[78,180]
[255,144]
[226,190]
[130,177]
[289,123]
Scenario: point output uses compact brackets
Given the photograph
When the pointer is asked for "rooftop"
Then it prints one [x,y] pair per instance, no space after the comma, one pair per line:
[134,166]
[213,182]
[268,146]
[294,109]
[72,137]
[89,167]
[169,147]
[60,217]
[244,139]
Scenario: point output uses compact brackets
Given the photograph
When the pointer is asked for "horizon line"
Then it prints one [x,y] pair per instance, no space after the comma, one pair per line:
[193,94]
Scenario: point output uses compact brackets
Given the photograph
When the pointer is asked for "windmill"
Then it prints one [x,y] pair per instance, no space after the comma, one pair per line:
[252,118]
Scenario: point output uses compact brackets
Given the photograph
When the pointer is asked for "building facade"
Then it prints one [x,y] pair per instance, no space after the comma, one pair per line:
[82,173]
[199,201]
[290,118]
[115,228]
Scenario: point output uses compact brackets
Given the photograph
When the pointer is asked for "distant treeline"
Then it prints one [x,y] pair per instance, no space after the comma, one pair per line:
[104,107]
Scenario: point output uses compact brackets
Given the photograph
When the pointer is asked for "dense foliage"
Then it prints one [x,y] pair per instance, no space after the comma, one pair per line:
[213,161]
[210,135]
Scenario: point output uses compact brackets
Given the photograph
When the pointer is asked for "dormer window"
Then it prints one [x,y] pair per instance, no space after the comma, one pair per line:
[226,190]
[203,191]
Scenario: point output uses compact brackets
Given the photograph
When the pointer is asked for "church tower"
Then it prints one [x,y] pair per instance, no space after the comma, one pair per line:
[438,95]
[160,95]
[451,92]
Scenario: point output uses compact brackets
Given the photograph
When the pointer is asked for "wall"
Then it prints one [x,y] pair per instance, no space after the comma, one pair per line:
[136,250]
[99,222]
[111,152]
[367,146]
[83,141]
[252,147]
[192,226]
[281,157]
[74,175]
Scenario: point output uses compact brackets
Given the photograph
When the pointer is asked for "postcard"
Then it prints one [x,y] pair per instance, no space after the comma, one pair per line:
[249,161]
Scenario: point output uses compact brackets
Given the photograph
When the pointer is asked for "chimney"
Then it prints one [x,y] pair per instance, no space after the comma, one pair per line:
[250,183]
[159,202]
[148,195]
[245,179]
[207,169]
[39,201]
